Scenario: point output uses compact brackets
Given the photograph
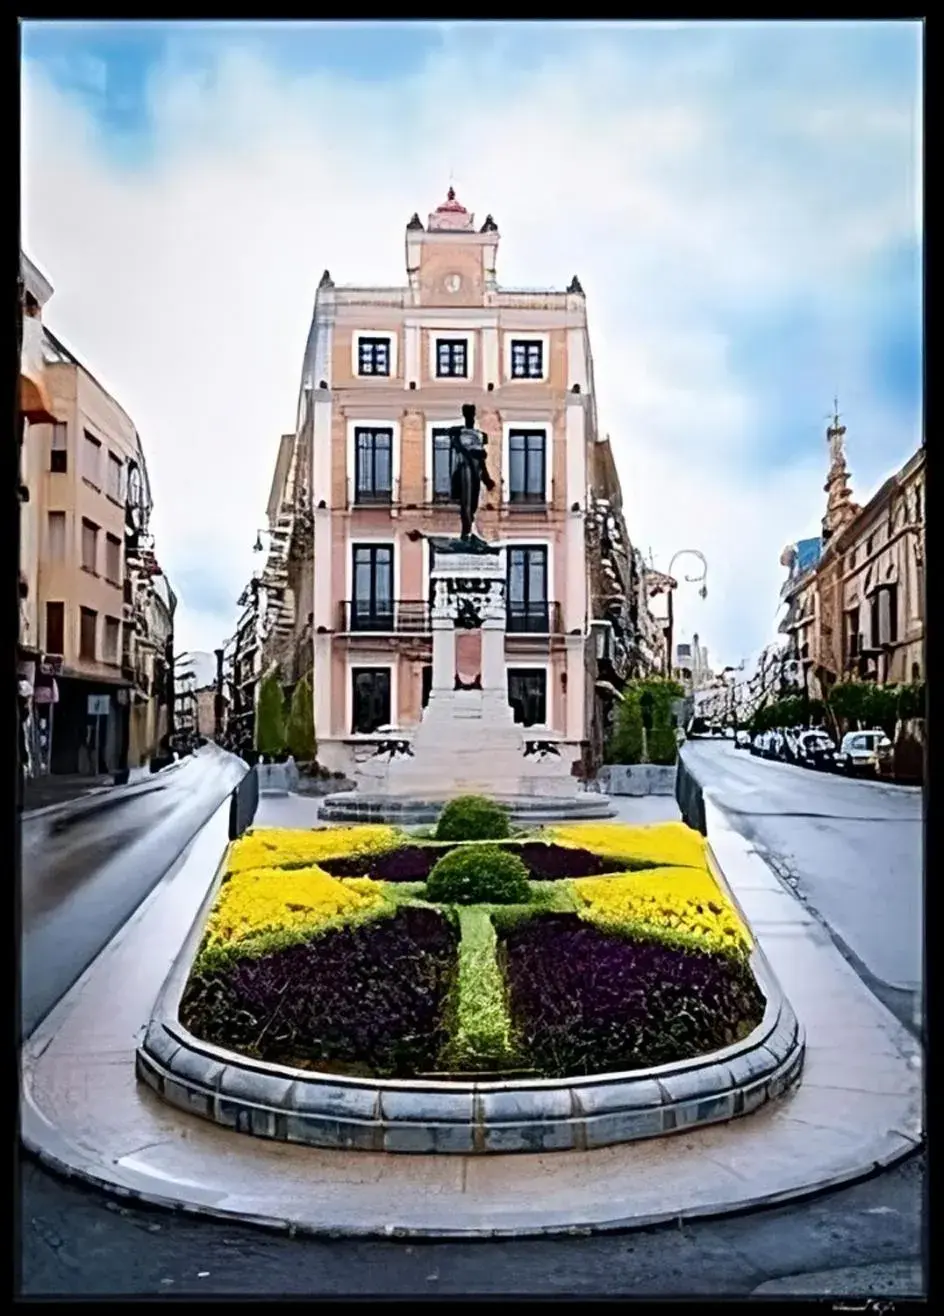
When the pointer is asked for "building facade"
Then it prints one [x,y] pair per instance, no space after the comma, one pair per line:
[855,596]
[368,476]
[94,564]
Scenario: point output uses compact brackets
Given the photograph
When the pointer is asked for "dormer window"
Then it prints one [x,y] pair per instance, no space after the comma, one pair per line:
[375,355]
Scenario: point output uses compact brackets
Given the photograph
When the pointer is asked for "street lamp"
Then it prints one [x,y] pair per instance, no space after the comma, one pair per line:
[691,580]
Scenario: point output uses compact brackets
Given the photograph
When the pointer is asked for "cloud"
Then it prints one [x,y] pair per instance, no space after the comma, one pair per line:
[699,202]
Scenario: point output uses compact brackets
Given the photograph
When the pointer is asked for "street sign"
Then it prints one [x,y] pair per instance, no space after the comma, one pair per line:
[99,705]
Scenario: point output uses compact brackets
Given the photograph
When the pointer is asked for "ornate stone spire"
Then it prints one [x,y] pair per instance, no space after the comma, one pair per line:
[840,509]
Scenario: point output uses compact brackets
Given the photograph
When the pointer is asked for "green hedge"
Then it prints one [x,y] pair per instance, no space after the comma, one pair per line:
[473,818]
[479,874]
[300,734]
[626,745]
[270,716]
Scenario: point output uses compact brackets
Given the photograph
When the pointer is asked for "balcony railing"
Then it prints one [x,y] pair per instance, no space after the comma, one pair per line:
[533,619]
[403,617]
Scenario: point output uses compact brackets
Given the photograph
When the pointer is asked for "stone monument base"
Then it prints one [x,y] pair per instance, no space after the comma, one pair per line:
[409,811]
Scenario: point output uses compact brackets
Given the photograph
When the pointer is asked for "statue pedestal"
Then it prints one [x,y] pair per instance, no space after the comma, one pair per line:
[468,741]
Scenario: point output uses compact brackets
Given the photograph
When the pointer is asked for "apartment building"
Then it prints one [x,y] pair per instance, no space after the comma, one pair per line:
[94,568]
[386,372]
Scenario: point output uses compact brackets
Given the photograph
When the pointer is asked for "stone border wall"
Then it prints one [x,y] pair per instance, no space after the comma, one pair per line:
[637,779]
[527,1115]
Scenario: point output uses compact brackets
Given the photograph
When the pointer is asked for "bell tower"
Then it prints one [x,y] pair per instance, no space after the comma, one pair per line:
[840,509]
[449,262]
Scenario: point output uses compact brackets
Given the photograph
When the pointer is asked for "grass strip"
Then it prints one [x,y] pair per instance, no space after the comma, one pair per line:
[481,1037]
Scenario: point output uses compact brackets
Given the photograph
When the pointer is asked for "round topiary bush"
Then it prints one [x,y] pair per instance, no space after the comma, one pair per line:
[479,874]
[473,818]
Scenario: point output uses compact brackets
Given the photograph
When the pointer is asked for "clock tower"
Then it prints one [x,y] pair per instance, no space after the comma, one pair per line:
[449,262]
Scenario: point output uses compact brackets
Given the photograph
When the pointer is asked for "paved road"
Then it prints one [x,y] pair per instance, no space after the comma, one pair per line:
[82,883]
[851,849]
[78,1243]
[82,879]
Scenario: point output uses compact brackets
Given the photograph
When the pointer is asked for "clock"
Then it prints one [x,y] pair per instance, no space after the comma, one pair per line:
[452,282]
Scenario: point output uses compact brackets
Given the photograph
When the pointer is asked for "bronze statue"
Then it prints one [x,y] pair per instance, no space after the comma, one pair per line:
[469,471]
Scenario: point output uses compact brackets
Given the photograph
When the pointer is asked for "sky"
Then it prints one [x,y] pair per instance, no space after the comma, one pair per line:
[742,203]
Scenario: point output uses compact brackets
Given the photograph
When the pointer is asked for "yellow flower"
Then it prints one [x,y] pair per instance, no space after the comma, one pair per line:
[671,843]
[665,900]
[273,899]
[285,847]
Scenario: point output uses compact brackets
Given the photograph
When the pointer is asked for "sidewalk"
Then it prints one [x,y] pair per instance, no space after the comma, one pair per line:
[50,795]
[858,1107]
[41,792]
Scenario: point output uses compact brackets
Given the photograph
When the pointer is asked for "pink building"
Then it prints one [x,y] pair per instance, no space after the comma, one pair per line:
[385,375]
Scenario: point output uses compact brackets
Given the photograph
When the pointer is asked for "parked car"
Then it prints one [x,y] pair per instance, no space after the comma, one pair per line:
[742,740]
[817,750]
[790,744]
[859,751]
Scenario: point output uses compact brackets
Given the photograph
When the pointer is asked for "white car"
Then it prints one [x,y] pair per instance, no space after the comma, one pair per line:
[859,751]
[742,740]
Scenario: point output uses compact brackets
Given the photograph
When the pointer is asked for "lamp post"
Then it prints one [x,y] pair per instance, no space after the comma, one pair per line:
[692,580]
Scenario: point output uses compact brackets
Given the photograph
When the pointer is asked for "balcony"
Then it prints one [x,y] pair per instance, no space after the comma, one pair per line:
[533,619]
[403,617]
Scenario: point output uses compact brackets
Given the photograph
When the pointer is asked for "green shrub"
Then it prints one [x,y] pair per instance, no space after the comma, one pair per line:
[626,744]
[270,716]
[301,723]
[473,818]
[478,874]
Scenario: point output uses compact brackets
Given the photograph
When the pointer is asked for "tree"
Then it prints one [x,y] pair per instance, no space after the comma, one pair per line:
[270,715]
[626,745]
[301,723]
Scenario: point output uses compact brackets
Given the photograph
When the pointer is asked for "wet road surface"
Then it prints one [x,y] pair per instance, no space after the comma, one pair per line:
[850,849]
[83,878]
[81,883]
[79,1243]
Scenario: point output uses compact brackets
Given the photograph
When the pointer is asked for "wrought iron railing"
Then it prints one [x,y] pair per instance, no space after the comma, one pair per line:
[533,618]
[407,616]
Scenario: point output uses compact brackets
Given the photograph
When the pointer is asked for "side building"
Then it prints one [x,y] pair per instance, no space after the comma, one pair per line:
[855,595]
[368,476]
[94,571]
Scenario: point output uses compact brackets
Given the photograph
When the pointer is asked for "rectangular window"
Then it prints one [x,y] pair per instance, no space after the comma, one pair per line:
[427,683]
[373,356]
[370,699]
[92,460]
[113,559]
[527,466]
[111,640]
[527,590]
[373,466]
[452,358]
[444,463]
[59,448]
[372,605]
[115,467]
[89,546]
[55,628]
[852,633]
[887,615]
[527,359]
[87,622]
[56,536]
[527,694]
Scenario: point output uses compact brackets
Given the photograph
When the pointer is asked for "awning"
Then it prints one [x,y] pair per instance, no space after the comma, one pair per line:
[34,401]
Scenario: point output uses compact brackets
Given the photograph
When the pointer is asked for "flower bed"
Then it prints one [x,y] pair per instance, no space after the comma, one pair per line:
[326,949]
